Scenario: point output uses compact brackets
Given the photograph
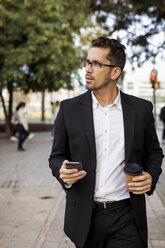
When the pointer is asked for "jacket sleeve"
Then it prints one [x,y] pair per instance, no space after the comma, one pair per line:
[153,154]
[60,148]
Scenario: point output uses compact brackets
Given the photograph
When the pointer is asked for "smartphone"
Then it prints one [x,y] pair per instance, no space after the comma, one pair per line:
[74,165]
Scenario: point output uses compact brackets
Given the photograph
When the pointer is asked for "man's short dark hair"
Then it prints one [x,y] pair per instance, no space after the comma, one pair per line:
[116,53]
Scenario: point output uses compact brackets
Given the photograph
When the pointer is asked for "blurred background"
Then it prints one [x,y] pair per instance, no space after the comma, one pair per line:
[42,44]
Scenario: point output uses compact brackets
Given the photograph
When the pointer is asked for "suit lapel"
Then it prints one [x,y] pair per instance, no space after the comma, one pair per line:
[129,123]
[87,120]
[128,118]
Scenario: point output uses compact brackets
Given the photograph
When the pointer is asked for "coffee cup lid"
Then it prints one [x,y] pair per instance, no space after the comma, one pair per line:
[133,169]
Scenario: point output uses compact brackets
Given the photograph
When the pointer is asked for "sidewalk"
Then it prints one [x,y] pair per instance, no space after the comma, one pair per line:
[32,201]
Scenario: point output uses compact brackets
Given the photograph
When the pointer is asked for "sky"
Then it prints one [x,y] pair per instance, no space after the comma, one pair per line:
[143,73]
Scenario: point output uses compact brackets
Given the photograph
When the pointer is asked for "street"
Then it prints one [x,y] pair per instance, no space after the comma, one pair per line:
[32,201]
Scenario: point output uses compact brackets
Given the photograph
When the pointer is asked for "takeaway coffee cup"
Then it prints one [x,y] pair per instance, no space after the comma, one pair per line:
[131,170]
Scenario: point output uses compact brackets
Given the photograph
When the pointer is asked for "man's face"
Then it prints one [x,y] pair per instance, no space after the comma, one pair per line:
[97,78]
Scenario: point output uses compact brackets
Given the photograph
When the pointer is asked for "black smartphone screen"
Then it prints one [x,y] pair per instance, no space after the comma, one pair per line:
[74,165]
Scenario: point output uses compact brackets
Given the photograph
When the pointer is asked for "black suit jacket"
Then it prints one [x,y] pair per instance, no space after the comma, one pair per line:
[75,140]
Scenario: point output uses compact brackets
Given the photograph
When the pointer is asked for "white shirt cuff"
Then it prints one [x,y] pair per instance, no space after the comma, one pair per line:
[68,186]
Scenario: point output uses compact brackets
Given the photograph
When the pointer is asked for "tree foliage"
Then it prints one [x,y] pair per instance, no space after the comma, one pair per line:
[37,43]
[142,24]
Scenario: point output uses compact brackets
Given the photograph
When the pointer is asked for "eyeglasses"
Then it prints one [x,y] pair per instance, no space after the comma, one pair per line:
[95,64]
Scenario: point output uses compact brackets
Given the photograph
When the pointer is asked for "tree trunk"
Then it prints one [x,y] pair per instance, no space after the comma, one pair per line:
[43,106]
[7,121]
[10,90]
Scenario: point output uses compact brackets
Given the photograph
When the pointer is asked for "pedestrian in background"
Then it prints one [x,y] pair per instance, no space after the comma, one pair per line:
[106,129]
[22,125]
[53,105]
[162,118]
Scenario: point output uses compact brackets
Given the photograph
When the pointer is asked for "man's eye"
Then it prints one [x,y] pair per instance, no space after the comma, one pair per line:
[97,64]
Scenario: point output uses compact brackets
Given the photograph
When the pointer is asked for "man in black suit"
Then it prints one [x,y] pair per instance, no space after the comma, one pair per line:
[162,118]
[105,129]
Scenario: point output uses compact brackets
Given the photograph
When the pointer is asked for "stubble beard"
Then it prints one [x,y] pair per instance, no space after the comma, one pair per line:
[103,85]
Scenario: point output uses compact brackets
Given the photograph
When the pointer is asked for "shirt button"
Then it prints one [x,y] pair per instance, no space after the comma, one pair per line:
[105,113]
[105,149]
[106,131]
[101,186]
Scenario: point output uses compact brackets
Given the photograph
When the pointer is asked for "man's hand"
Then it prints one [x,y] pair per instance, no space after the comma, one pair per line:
[141,184]
[70,176]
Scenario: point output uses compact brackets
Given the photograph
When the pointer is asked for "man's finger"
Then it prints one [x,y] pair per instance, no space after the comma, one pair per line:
[143,177]
[139,184]
[74,175]
[68,171]
[141,192]
[73,180]
[139,178]
[139,188]
[64,163]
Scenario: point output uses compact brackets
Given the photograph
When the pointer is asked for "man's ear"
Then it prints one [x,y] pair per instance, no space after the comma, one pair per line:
[115,73]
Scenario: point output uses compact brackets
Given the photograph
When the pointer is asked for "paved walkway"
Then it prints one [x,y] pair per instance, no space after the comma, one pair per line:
[32,201]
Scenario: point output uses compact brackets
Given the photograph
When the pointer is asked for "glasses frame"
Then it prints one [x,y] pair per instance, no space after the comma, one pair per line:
[91,63]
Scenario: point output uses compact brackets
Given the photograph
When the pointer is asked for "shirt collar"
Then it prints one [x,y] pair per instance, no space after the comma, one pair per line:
[95,103]
[117,101]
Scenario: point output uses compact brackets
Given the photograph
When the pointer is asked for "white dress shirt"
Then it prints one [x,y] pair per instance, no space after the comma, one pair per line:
[110,151]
